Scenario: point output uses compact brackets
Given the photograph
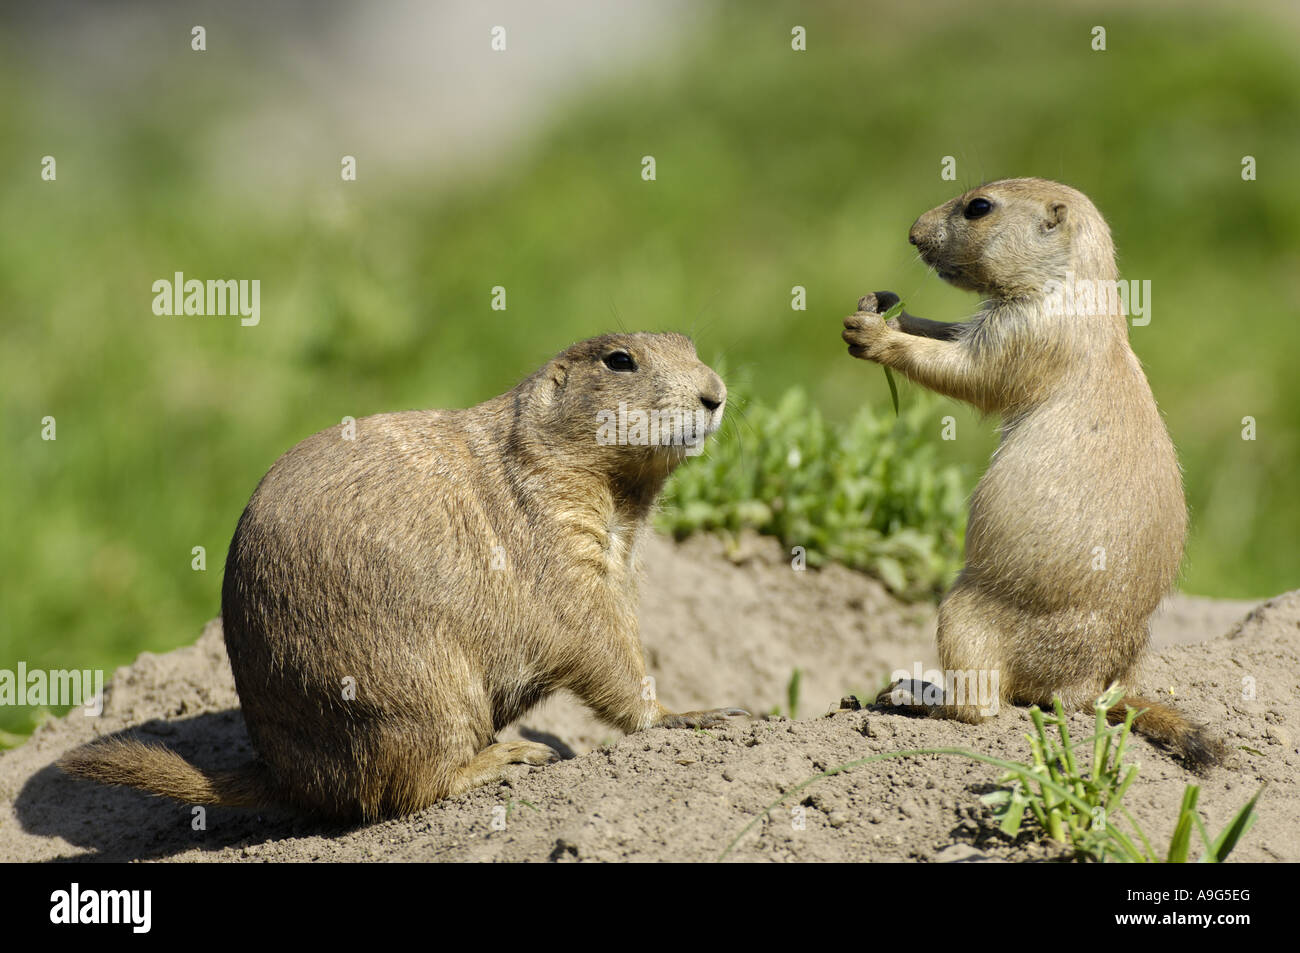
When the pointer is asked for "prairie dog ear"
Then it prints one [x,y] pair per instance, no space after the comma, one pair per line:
[1056,213]
[559,375]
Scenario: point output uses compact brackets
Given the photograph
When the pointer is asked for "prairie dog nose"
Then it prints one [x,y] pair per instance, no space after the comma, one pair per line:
[917,232]
[713,393]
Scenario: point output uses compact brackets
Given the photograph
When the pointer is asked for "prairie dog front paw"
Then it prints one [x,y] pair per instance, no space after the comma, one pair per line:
[865,334]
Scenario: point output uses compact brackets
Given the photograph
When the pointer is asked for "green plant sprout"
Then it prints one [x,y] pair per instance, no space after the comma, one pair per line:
[889,315]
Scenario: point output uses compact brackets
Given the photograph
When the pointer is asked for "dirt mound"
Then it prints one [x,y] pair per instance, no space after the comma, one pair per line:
[723,624]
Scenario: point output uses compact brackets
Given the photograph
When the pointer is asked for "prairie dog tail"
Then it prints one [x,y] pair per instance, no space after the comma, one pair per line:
[159,770]
[1170,728]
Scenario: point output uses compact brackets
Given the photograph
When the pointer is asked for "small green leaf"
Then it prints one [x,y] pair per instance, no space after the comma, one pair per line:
[792,693]
[1178,844]
[892,313]
[893,389]
[1236,829]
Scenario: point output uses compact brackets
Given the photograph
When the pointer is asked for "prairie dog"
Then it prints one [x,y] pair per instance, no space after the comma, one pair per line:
[1076,530]
[392,601]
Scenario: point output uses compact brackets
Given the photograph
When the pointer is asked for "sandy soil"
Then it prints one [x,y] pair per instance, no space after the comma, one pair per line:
[722,625]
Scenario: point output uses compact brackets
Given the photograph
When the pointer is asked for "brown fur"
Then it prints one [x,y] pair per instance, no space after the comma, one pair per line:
[126,762]
[1085,460]
[373,559]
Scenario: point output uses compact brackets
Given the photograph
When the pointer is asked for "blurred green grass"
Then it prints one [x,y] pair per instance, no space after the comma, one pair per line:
[866,493]
[774,168]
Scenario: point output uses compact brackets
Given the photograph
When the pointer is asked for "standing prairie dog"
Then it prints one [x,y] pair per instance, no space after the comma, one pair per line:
[392,601]
[1076,530]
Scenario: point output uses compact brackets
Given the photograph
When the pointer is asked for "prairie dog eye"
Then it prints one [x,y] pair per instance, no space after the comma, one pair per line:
[620,361]
[977,208]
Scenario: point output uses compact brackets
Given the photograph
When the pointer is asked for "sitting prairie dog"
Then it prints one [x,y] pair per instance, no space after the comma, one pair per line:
[392,601]
[1076,530]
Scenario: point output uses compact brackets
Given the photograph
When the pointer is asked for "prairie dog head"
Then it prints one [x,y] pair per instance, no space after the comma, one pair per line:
[629,404]
[1007,239]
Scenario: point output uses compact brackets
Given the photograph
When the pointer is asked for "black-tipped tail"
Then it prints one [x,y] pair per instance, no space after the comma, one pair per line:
[1193,744]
